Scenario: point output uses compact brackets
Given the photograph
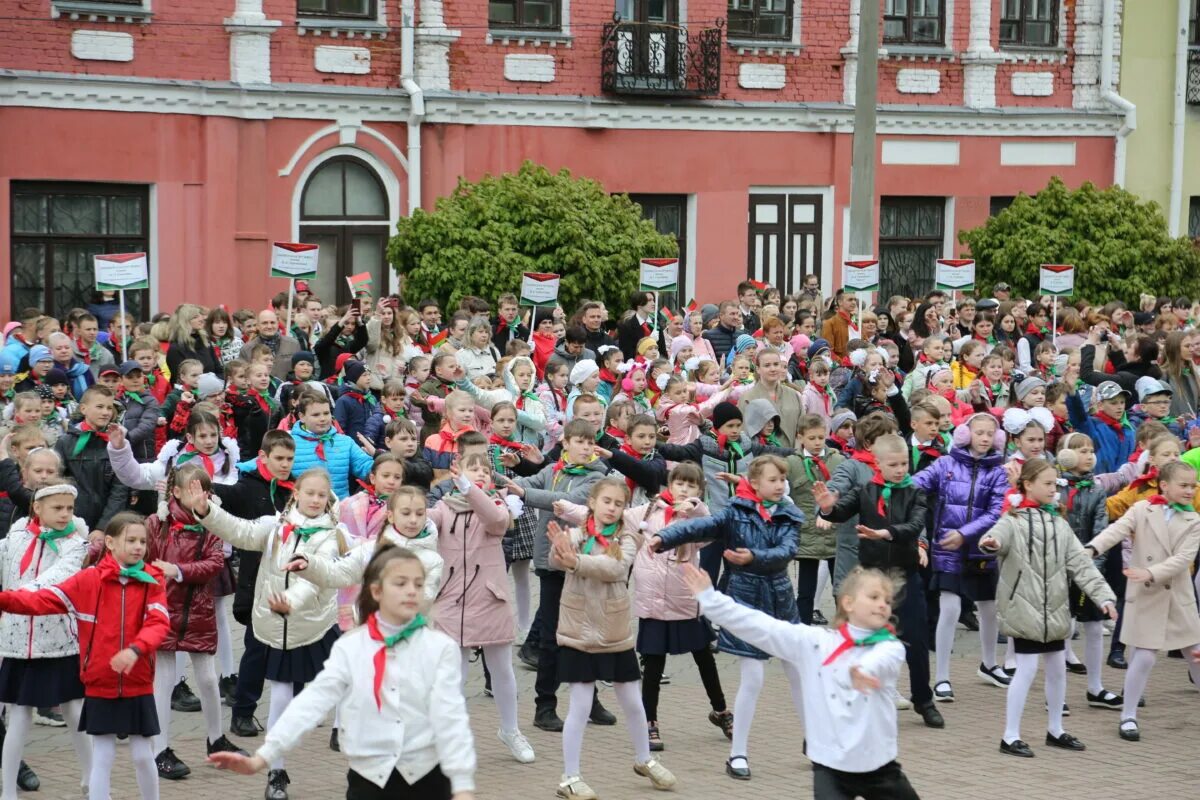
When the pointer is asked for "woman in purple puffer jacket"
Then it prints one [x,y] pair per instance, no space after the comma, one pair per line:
[969,484]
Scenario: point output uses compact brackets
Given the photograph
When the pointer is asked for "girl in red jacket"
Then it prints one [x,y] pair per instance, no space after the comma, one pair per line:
[189,558]
[120,611]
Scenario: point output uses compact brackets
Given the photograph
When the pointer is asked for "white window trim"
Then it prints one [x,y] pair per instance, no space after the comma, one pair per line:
[1023,53]
[526,37]
[99,11]
[755,47]
[335,27]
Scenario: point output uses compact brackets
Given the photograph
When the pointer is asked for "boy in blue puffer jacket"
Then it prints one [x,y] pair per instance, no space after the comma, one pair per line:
[319,445]
[1108,428]
[356,403]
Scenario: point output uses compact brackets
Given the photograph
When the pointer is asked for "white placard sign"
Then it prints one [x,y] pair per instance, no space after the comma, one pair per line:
[120,271]
[1057,279]
[955,274]
[861,275]
[293,260]
[539,289]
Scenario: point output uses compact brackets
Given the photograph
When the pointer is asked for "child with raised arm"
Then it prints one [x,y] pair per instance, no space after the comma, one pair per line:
[1037,550]
[1160,602]
[843,674]
[398,679]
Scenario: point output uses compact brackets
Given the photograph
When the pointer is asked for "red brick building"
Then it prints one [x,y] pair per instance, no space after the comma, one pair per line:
[201,132]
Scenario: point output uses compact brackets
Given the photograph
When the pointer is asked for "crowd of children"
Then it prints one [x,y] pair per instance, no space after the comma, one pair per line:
[378,506]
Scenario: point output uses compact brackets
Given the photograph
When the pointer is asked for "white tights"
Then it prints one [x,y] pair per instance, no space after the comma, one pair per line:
[949,609]
[520,576]
[1018,691]
[1093,655]
[629,695]
[753,675]
[822,582]
[224,638]
[504,681]
[141,751]
[281,696]
[1138,675]
[165,678]
[19,720]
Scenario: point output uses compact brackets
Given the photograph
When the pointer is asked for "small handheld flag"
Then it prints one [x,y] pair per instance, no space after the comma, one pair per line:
[360,284]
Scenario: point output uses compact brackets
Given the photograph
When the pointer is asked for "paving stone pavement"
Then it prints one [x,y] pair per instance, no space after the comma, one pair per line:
[960,761]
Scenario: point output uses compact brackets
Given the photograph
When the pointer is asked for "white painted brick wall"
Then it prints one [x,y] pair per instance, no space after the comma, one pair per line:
[980,30]
[433,65]
[535,68]
[918,81]
[979,85]
[102,45]
[1033,84]
[343,60]
[762,76]
[250,57]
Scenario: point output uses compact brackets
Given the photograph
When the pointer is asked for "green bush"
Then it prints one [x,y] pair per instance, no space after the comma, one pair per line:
[1119,245]
[481,238]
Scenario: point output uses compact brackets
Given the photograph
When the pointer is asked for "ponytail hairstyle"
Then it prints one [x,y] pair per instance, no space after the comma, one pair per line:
[618,484]
[373,574]
[183,476]
[318,473]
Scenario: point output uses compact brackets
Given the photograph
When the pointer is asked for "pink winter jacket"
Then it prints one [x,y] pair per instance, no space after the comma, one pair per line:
[473,606]
[683,420]
[659,590]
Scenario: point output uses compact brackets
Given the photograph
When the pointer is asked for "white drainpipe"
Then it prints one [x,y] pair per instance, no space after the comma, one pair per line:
[416,101]
[1109,95]
[1175,212]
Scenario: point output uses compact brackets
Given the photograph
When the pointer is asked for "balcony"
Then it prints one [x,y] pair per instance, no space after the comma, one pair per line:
[657,59]
[1193,76]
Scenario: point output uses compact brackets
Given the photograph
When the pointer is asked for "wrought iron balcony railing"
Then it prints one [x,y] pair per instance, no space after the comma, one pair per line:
[644,58]
[1193,76]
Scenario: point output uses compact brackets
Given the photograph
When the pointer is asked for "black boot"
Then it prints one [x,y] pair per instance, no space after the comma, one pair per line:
[182,698]
[546,719]
[277,783]
[601,715]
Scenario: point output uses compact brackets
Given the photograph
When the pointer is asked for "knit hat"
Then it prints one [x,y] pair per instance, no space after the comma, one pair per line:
[340,362]
[10,327]
[707,312]
[304,355]
[44,392]
[354,370]
[723,413]
[209,385]
[841,417]
[645,344]
[582,370]
[39,352]
[679,343]
[816,347]
[800,343]
[1028,385]
[57,377]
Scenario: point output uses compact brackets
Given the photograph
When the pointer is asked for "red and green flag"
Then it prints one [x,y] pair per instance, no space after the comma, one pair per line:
[360,284]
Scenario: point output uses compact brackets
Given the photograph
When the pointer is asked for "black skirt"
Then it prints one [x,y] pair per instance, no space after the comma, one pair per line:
[1029,646]
[122,716]
[576,666]
[40,682]
[976,585]
[676,637]
[300,664]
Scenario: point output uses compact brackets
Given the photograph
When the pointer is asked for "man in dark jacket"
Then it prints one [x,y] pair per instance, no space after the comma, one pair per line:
[891,519]
[727,331]
[572,349]
[637,325]
[591,317]
[84,451]
[507,326]
[347,336]
[263,489]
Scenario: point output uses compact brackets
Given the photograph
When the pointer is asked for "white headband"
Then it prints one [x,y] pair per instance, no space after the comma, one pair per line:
[59,488]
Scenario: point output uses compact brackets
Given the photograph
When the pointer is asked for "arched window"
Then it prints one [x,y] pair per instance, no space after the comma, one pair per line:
[344,209]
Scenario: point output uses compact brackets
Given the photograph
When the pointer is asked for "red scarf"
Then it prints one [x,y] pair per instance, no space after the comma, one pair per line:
[818,462]
[85,352]
[846,316]
[593,534]
[1136,454]
[380,658]
[1034,330]
[839,442]
[967,370]
[865,457]
[628,450]
[189,452]
[1025,502]
[262,401]
[884,634]
[450,438]
[1144,479]
[746,492]
[35,528]
[607,376]
[369,488]
[668,512]
[271,480]
[1115,424]
[615,432]
[560,398]
[507,444]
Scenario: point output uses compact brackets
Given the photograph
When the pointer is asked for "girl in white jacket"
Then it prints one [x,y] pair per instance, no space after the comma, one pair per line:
[293,617]
[398,679]
[41,654]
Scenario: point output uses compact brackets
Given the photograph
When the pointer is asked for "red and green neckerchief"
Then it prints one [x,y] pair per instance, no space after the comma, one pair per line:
[321,439]
[1118,425]
[86,432]
[848,642]
[1074,486]
[380,658]
[48,535]
[885,494]
[305,533]
[137,572]
[747,492]
[1159,500]
[602,538]
[190,452]
[814,465]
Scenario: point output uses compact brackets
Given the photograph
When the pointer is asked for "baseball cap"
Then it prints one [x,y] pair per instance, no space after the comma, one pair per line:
[1148,387]
[1109,390]
[128,367]
[301,286]
[8,368]
[109,371]
[988,304]
[1143,318]
[1002,287]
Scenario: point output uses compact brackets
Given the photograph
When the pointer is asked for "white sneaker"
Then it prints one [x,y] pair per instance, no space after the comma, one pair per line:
[518,745]
[573,788]
[901,702]
[659,775]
